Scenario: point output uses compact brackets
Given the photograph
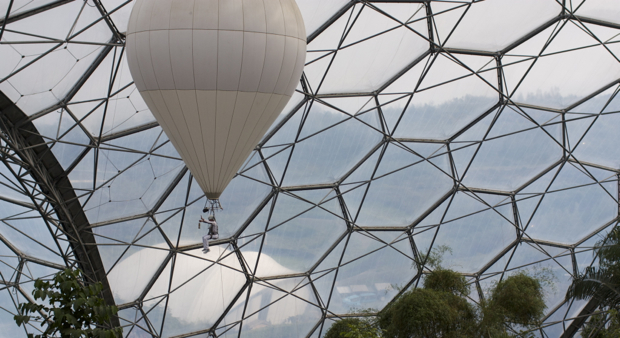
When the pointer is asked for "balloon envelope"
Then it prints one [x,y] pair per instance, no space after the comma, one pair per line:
[215,74]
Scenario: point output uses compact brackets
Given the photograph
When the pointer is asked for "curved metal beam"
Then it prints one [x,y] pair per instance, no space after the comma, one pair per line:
[21,134]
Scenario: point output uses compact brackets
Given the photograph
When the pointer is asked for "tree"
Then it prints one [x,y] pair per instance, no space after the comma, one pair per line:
[441,309]
[353,328]
[518,299]
[603,325]
[422,313]
[448,281]
[75,309]
[602,284]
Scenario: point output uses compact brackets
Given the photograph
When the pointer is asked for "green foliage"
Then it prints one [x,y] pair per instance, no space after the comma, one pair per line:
[603,325]
[428,313]
[342,327]
[518,299]
[75,310]
[353,328]
[448,281]
[602,284]
[441,310]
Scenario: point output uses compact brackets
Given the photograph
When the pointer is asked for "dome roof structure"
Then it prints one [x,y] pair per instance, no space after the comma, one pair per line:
[481,132]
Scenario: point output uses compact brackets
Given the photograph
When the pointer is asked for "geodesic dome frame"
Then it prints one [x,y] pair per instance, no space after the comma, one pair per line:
[480,130]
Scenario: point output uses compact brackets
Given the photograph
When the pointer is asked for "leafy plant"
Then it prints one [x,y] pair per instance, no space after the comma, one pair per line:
[75,310]
[603,285]
[519,299]
[354,328]
[603,325]
[428,313]
[441,308]
[448,281]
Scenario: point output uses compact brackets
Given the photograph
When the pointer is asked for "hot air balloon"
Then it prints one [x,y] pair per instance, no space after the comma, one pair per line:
[215,74]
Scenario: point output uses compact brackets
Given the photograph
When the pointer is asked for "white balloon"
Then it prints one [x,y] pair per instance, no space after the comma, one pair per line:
[216,74]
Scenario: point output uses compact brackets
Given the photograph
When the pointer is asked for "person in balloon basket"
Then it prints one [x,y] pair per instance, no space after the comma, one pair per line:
[213,232]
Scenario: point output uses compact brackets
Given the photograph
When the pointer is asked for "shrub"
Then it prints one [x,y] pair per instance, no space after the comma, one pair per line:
[353,328]
[422,313]
[519,299]
[447,281]
[75,309]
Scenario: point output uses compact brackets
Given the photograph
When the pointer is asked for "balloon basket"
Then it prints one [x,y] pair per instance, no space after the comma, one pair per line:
[211,206]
